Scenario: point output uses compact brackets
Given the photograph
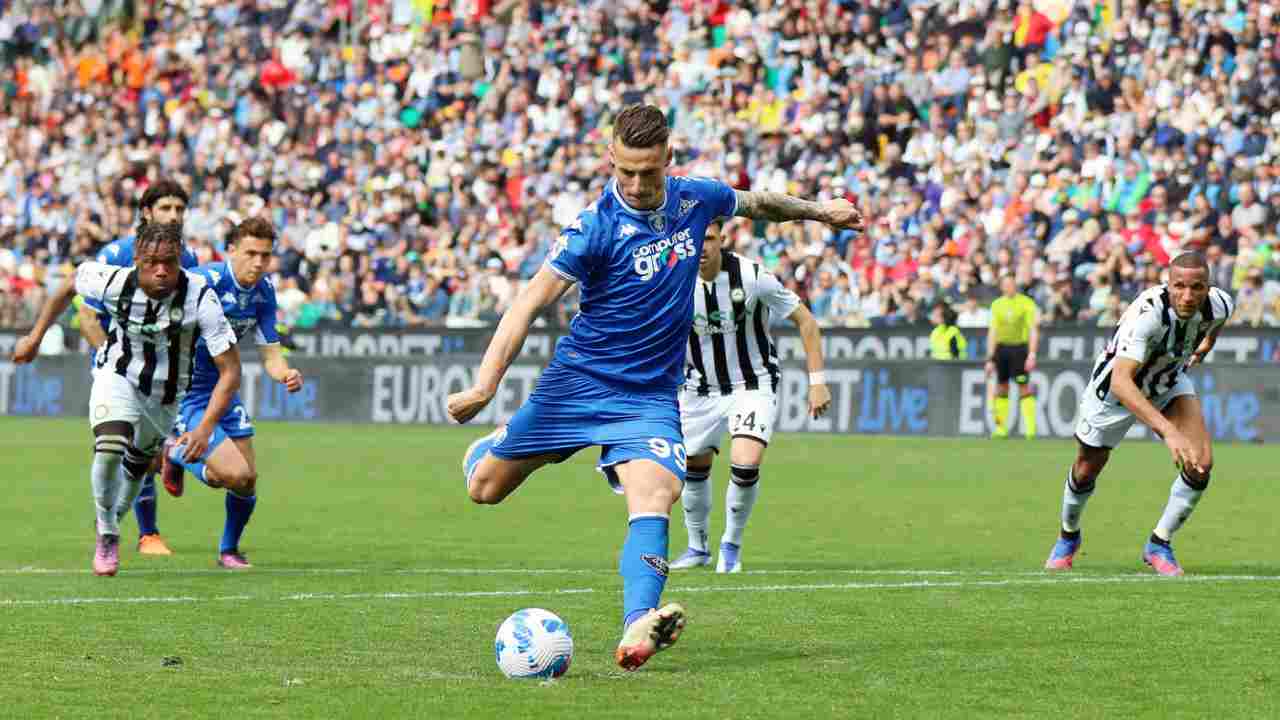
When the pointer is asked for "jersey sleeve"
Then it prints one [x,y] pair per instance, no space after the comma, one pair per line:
[93,280]
[1223,308]
[266,333]
[189,260]
[113,253]
[720,198]
[1140,328]
[214,328]
[575,256]
[780,301]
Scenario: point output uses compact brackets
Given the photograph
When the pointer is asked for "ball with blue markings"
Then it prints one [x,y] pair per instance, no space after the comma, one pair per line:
[533,643]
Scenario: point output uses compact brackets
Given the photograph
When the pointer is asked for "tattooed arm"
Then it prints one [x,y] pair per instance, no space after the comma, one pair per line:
[779,207]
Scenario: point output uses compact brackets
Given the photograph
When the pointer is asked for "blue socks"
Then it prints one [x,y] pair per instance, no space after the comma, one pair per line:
[643,565]
[144,508]
[238,511]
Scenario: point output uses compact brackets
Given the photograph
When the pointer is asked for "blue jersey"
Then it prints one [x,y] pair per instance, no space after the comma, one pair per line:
[247,309]
[120,253]
[636,271]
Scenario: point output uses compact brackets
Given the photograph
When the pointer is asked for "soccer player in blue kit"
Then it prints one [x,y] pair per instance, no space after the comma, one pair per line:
[249,302]
[615,377]
[165,201]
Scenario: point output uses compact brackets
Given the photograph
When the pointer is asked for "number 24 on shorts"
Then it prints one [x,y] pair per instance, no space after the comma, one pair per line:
[663,449]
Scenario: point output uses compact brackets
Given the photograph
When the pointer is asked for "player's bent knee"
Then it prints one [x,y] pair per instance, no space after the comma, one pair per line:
[486,487]
[744,475]
[248,484]
[1196,479]
[485,493]
[698,467]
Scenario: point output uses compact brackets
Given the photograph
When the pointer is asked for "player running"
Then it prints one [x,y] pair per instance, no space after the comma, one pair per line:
[1141,375]
[731,378]
[157,311]
[614,378]
[249,301]
[163,202]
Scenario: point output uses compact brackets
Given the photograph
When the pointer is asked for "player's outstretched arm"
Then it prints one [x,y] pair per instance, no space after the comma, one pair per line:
[1127,392]
[811,336]
[780,207]
[278,369]
[196,440]
[545,288]
[28,346]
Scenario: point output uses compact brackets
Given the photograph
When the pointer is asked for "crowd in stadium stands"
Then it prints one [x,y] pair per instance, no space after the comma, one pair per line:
[419,174]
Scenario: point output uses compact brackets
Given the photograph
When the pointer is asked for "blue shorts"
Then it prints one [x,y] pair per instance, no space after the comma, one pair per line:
[234,424]
[569,411]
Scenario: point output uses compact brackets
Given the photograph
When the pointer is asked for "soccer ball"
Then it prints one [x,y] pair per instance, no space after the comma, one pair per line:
[533,643]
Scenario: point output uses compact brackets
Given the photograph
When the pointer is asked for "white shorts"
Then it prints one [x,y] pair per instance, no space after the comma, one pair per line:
[743,413]
[114,399]
[1103,424]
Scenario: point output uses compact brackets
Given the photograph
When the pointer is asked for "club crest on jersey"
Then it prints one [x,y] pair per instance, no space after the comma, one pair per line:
[175,315]
[658,222]
[738,295]
[664,253]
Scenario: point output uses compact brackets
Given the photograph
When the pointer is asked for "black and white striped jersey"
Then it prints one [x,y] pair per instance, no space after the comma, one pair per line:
[150,342]
[1151,334]
[729,344]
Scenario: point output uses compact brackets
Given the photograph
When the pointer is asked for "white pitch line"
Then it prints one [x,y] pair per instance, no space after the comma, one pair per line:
[34,571]
[914,585]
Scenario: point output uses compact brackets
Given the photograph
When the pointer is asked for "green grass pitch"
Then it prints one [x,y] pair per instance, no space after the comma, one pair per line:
[885,577]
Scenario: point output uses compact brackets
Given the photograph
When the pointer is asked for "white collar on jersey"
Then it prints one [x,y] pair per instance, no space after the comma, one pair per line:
[666,199]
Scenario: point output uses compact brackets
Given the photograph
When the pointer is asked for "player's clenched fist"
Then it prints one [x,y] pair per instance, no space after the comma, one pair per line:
[844,215]
[467,404]
[292,380]
[26,349]
[819,400]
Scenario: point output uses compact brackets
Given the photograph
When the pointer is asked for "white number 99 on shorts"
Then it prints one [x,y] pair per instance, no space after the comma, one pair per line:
[664,449]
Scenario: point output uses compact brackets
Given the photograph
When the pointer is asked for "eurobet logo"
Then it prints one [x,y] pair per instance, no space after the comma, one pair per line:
[651,258]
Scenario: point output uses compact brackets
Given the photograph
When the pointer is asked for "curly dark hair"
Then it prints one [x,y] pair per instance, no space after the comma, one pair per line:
[158,236]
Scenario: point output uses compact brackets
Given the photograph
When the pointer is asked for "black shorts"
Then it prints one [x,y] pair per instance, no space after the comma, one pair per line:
[1011,364]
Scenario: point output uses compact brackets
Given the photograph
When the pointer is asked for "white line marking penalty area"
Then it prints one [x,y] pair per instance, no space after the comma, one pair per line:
[927,584]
